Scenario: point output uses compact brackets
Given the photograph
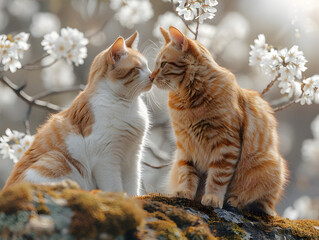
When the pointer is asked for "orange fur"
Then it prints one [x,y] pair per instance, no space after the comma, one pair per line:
[225,133]
[48,155]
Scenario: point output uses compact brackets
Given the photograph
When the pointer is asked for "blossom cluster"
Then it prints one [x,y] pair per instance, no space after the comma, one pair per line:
[70,45]
[12,50]
[286,67]
[14,144]
[131,12]
[198,9]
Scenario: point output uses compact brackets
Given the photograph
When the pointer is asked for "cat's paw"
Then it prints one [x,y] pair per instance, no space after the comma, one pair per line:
[184,194]
[212,200]
[233,201]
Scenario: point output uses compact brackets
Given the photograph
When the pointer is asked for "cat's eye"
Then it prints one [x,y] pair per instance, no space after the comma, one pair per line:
[163,64]
[139,68]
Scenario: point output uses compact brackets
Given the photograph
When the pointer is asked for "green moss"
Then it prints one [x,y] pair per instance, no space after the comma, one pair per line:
[16,198]
[112,213]
[240,233]
[199,233]
[165,229]
[122,213]
[42,208]
[301,228]
[14,222]
[90,214]
[181,202]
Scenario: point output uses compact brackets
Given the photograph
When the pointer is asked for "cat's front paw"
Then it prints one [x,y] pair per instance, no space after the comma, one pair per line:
[184,194]
[212,200]
[233,201]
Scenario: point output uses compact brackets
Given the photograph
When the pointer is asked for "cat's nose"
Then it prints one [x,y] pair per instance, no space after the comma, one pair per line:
[152,76]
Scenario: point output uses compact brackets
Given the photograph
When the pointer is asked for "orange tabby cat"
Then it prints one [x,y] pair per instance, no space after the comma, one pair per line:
[98,140]
[224,133]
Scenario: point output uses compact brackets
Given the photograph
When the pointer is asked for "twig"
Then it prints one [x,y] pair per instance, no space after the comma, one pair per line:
[27,120]
[184,21]
[55,91]
[197,25]
[155,167]
[36,61]
[38,67]
[269,86]
[27,98]
[279,108]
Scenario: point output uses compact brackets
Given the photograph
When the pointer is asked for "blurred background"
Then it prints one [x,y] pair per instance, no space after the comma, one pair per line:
[228,37]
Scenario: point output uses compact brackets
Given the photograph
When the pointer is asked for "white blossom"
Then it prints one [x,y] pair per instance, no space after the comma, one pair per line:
[43,23]
[134,12]
[305,99]
[258,50]
[12,49]
[6,151]
[13,136]
[308,87]
[199,9]
[14,144]
[286,67]
[18,152]
[70,45]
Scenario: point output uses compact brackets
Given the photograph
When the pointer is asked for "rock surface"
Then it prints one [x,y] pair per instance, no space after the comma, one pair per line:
[63,211]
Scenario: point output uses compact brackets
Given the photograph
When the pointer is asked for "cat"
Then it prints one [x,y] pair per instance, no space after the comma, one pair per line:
[98,140]
[226,136]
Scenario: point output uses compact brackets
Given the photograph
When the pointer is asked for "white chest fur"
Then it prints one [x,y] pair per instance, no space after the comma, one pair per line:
[112,152]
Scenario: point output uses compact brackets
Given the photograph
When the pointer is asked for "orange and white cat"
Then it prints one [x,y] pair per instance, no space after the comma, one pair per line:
[225,134]
[98,140]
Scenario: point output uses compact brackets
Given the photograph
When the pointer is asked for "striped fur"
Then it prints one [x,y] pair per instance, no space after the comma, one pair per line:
[224,133]
[98,140]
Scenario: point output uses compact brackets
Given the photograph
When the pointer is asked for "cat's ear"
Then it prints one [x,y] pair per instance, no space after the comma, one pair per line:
[165,35]
[178,38]
[132,41]
[118,49]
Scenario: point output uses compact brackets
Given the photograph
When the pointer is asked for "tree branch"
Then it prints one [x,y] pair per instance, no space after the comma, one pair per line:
[38,67]
[197,25]
[59,91]
[27,120]
[27,98]
[269,86]
[288,104]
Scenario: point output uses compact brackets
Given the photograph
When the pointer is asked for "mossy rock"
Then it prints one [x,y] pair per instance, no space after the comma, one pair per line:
[64,211]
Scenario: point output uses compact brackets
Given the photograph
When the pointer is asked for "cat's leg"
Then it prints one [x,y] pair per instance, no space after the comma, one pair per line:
[50,167]
[183,178]
[107,174]
[261,185]
[220,172]
[132,176]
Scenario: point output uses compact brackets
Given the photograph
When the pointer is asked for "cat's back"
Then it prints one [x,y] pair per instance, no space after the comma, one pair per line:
[255,107]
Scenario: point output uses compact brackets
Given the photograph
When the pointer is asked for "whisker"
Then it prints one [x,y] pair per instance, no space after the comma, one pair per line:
[154,99]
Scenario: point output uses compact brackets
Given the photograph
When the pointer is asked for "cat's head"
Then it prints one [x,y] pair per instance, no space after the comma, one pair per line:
[178,57]
[122,69]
